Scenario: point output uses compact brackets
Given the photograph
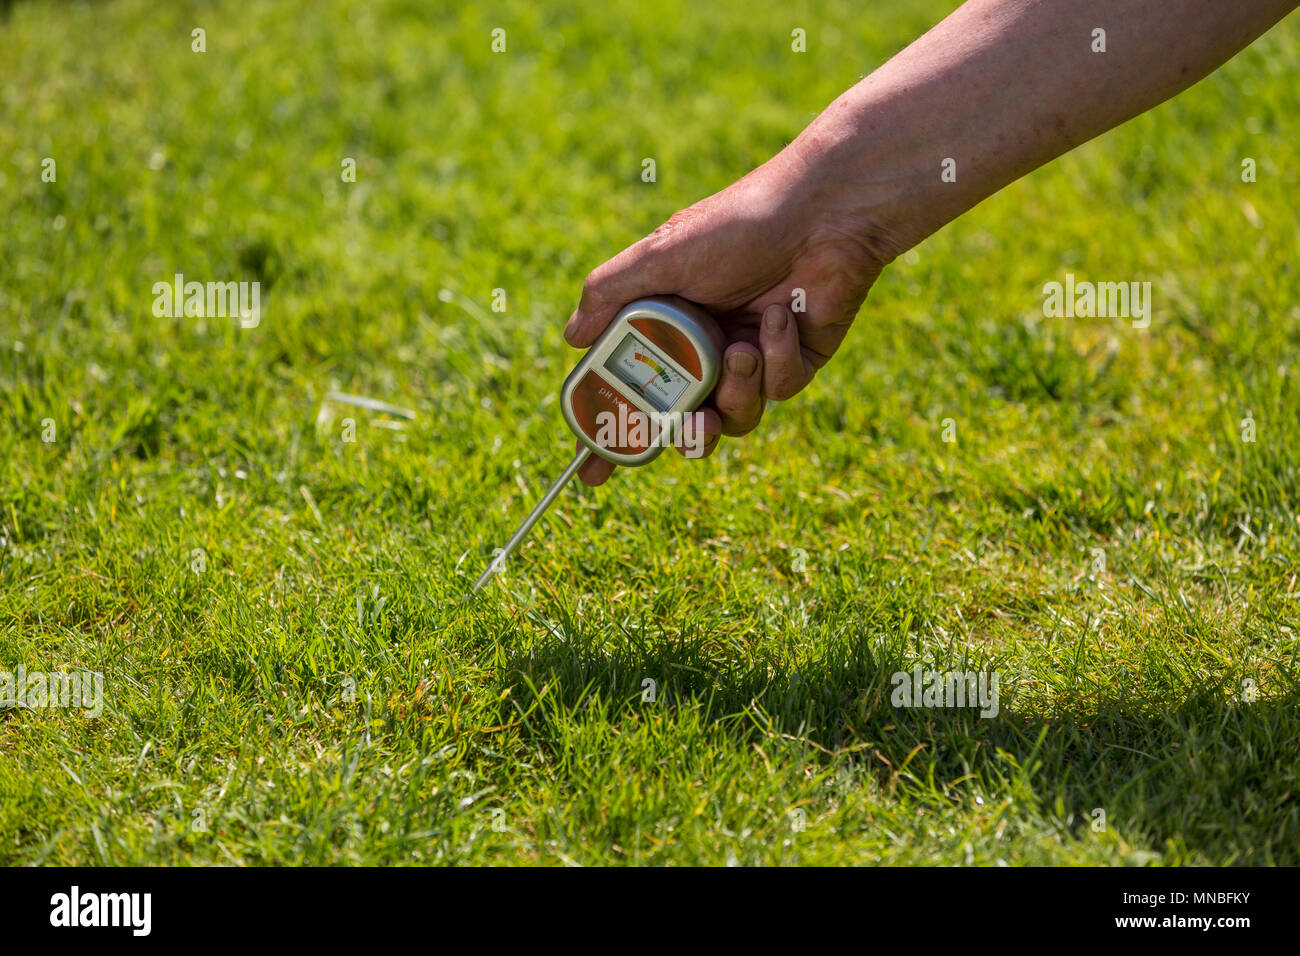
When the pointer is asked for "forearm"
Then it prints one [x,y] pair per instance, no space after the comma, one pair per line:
[1001,87]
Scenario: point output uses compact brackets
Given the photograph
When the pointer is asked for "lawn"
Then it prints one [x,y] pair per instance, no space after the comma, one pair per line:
[273,585]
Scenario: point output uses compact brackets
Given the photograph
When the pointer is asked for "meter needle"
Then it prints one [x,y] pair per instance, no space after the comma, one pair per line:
[551,494]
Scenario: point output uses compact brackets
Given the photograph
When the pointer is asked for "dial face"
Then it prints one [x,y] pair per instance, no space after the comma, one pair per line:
[647,373]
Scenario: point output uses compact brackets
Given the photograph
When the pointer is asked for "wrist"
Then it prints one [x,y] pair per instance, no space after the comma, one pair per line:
[848,187]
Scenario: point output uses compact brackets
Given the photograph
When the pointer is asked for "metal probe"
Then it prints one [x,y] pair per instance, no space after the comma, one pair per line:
[551,494]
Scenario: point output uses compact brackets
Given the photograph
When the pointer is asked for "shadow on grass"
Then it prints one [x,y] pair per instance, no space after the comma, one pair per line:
[1200,774]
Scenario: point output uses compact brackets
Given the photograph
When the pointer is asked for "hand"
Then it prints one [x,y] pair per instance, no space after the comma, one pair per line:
[744,254]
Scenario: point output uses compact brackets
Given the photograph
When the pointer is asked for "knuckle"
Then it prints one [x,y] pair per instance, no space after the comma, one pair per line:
[784,389]
[591,285]
[673,230]
[736,429]
[742,420]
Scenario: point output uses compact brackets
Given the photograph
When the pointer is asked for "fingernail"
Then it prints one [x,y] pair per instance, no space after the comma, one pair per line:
[574,321]
[741,364]
[776,318]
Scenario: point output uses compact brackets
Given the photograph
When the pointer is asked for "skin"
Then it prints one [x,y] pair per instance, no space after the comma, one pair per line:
[1001,86]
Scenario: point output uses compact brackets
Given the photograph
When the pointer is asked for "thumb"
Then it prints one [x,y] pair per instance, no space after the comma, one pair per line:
[637,271]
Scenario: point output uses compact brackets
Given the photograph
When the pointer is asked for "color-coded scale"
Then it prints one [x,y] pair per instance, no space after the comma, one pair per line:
[660,371]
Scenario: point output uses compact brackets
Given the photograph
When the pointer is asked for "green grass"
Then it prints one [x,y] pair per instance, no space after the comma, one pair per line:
[332,564]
